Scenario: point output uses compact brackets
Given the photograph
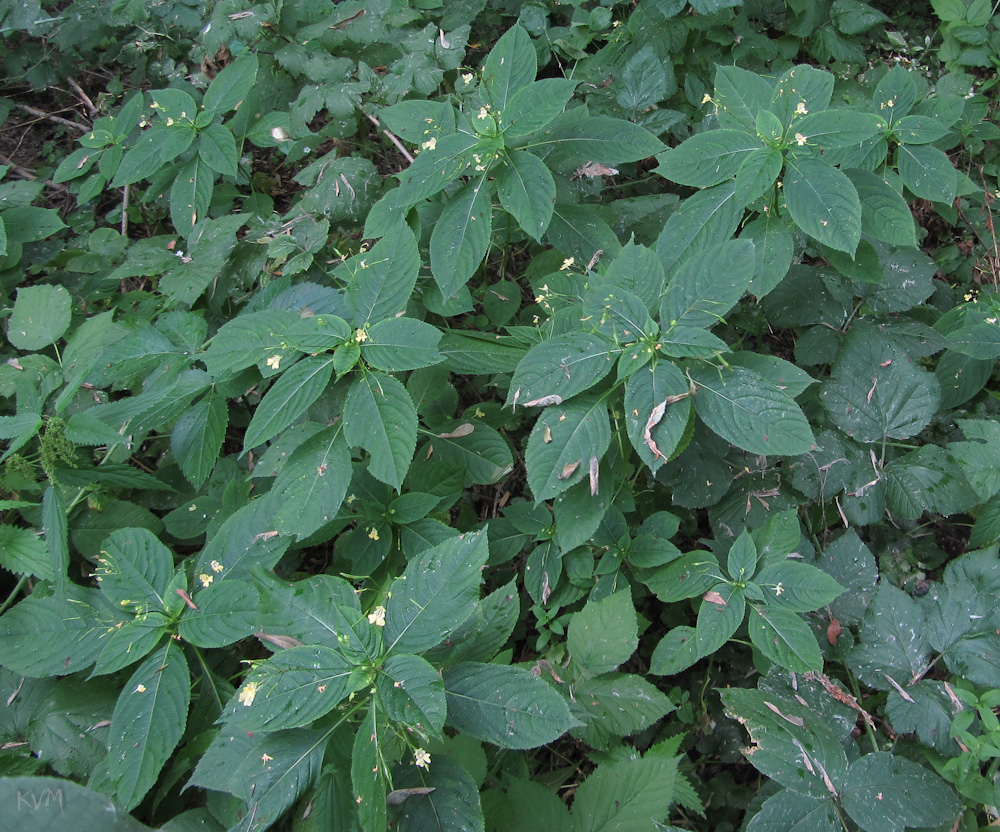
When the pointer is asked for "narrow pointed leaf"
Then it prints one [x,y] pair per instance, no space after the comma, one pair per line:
[288,399]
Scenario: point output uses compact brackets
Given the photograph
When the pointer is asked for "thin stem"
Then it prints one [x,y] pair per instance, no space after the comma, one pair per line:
[14,593]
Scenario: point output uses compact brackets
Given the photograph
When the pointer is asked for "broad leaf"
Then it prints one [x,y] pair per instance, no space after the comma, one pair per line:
[707,158]
[626,796]
[461,236]
[226,613]
[604,634]
[707,286]
[507,706]
[380,281]
[312,484]
[135,569]
[41,316]
[559,368]
[412,694]
[789,811]
[197,437]
[437,592]
[509,67]
[785,639]
[824,203]
[533,107]
[884,213]
[527,191]
[708,218]
[892,641]
[720,615]
[927,172]
[288,399]
[147,724]
[380,417]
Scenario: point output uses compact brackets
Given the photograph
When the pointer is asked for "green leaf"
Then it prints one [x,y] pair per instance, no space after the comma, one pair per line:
[686,577]
[41,317]
[292,689]
[234,761]
[751,414]
[979,457]
[884,213]
[28,224]
[380,417]
[645,81]
[480,353]
[368,774]
[41,804]
[437,592]
[676,651]
[147,724]
[720,615]
[380,282]
[245,539]
[527,191]
[616,705]
[398,344]
[23,552]
[412,694]
[510,66]
[532,806]
[227,612]
[739,96]
[895,94]
[197,437]
[565,445]
[483,633]
[604,634]
[483,452]
[790,743]
[803,588]
[288,399]
[461,236]
[882,792]
[742,560]
[892,641]
[919,130]
[637,270]
[533,107]
[602,139]
[784,638]
[249,339]
[135,569]
[626,796]
[559,368]
[217,149]
[876,391]
[706,219]
[823,201]
[452,803]
[926,710]
[156,147]
[708,285]
[757,174]
[838,128]
[433,170]
[231,85]
[506,706]
[927,172]
[801,85]
[56,530]
[789,811]
[854,18]
[51,637]
[708,158]
[312,484]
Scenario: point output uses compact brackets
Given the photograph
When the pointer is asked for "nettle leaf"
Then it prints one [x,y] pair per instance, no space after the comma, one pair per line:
[292,689]
[784,638]
[708,285]
[892,641]
[616,705]
[507,706]
[412,693]
[510,66]
[753,415]
[883,792]
[534,106]
[23,552]
[380,281]
[288,399]
[197,437]
[644,81]
[437,592]
[559,368]
[380,417]
[927,172]
[527,191]
[790,742]
[564,442]
[461,236]
[824,203]
[41,317]
[708,158]
[604,634]
[876,391]
[626,796]
[926,710]
[147,724]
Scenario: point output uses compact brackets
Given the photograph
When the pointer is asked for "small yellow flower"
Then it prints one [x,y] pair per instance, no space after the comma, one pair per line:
[280,134]
[248,693]
[484,114]
[266,758]
[430,144]
[800,139]
[373,533]
[706,99]
[274,361]
[360,336]
[479,414]
[377,617]
[467,78]
[140,689]
[421,758]
[216,566]
[206,579]
[800,109]
[779,589]
[567,263]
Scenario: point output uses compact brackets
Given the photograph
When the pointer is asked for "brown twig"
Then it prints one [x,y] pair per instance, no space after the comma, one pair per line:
[83,97]
[392,138]
[57,119]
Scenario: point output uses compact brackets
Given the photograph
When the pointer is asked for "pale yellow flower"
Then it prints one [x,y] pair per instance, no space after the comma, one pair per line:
[360,336]
[800,109]
[800,139]
[373,533]
[421,758]
[430,144]
[248,693]
[274,361]
[484,113]
[377,617]
[467,78]
[206,579]
[140,689]
[569,261]
[216,566]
